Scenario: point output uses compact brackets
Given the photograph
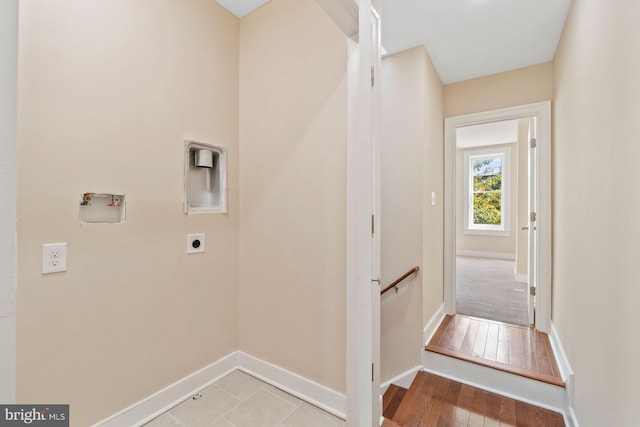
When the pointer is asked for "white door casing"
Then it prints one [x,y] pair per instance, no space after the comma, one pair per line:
[542,112]
[363,299]
[376,229]
[531,227]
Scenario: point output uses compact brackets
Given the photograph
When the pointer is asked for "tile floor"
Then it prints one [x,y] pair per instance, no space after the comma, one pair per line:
[240,400]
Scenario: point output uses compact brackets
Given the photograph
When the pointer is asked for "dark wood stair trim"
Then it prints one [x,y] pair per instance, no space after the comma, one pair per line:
[437,401]
[497,365]
[411,399]
[392,399]
[447,342]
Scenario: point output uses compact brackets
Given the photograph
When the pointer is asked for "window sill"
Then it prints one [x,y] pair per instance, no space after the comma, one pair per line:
[496,233]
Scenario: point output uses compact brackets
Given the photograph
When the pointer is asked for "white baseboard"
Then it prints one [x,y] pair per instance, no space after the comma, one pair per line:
[307,390]
[566,373]
[165,399]
[482,254]
[432,324]
[521,278]
[570,419]
[403,380]
[513,386]
[561,357]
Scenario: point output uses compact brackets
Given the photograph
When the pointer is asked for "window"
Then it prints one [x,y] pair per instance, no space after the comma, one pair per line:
[486,191]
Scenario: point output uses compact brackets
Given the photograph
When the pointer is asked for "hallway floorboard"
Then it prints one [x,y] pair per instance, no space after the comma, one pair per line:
[519,350]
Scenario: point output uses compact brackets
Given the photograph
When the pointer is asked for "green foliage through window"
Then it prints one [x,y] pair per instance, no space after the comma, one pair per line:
[487,191]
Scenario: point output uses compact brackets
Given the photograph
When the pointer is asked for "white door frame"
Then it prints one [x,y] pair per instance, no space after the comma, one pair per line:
[364,407]
[542,111]
[8,247]
[531,225]
[375,111]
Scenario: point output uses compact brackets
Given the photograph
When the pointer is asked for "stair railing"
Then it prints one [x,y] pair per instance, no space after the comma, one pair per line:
[399,279]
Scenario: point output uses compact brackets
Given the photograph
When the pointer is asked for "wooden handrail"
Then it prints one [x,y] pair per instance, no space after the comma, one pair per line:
[399,279]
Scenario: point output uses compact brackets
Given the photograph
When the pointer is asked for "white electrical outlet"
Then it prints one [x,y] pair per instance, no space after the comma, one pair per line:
[54,257]
[195,243]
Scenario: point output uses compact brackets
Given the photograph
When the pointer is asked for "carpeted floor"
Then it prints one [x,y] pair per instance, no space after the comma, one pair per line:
[485,288]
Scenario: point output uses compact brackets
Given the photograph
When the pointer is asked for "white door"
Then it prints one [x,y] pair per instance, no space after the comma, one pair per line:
[363,238]
[375,226]
[532,211]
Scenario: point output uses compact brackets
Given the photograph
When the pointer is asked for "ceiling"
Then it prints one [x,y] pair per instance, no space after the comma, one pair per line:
[241,7]
[466,38]
[494,133]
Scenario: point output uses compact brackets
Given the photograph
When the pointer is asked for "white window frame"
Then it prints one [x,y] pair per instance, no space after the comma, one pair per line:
[488,229]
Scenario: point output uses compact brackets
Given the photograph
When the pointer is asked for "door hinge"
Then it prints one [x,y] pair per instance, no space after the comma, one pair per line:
[534,143]
[373,224]
[533,217]
[372,372]
[532,291]
[373,79]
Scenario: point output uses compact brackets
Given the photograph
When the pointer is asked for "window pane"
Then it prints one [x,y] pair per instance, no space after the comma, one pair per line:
[487,174]
[486,208]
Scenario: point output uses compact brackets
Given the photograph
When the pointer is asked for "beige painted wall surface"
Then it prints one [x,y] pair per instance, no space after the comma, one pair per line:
[293,135]
[508,89]
[108,89]
[596,228]
[8,107]
[433,181]
[483,243]
[403,137]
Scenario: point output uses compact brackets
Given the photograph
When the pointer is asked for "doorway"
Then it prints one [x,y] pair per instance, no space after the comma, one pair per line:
[538,220]
[492,237]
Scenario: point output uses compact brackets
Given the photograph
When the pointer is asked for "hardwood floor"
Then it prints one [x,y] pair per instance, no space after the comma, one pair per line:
[437,401]
[516,349]
[392,399]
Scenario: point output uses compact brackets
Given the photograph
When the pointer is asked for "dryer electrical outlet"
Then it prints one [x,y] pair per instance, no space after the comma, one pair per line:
[195,243]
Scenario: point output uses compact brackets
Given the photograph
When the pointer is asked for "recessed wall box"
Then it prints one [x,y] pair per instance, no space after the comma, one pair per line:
[102,208]
[205,178]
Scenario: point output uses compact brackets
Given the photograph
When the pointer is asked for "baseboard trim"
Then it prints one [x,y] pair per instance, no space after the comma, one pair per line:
[432,325]
[570,418]
[566,373]
[307,390]
[165,399]
[519,388]
[482,254]
[403,380]
[521,278]
[561,357]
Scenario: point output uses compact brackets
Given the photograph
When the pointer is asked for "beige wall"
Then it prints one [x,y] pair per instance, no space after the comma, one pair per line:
[433,181]
[8,107]
[412,168]
[293,135]
[508,89]
[487,243]
[596,229]
[108,89]
[403,138]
